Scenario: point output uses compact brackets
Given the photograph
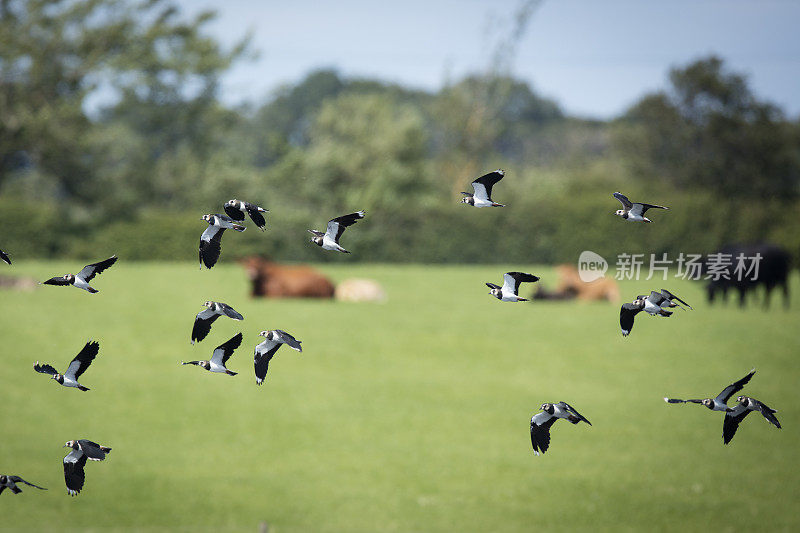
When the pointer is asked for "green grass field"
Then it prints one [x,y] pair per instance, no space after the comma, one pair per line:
[411,415]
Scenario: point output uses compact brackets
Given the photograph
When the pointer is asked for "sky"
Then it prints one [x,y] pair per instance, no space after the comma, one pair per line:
[595,58]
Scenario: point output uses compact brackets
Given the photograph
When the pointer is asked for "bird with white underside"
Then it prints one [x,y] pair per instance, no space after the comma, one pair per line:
[220,356]
[541,422]
[329,240]
[206,317]
[81,279]
[76,367]
[634,211]
[75,461]
[482,197]
[237,208]
[509,292]
[265,351]
[211,239]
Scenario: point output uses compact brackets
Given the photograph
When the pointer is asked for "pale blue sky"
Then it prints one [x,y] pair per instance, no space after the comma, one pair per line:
[594,57]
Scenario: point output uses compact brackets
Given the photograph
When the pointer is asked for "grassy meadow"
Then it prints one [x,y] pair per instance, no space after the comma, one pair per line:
[410,415]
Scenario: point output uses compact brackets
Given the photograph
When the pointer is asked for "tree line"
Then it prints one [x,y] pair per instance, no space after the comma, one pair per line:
[134,174]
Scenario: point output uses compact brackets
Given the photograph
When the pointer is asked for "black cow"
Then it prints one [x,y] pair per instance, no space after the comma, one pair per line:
[773,271]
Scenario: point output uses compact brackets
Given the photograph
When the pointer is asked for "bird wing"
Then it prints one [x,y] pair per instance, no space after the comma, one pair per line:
[82,361]
[317,233]
[255,215]
[671,296]
[224,351]
[577,416]
[73,471]
[483,185]
[92,450]
[58,280]
[90,271]
[626,315]
[261,358]
[202,324]
[656,298]
[45,369]
[230,312]
[289,340]
[512,280]
[233,212]
[640,209]
[732,420]
[337,225]
[17,479]
[492,286]
[626,204]
[767,412]
[540,431]
[677,400]
[4,257]
[210,245]
[733,388]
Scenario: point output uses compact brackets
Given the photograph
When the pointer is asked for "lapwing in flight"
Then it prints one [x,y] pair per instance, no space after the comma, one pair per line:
[81,279]
[76,367]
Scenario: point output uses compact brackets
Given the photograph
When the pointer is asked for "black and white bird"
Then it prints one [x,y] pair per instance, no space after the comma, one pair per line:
[661,300]
[336,226]
[10,483]
[483,190]
[734,417]
[206,317]
[633,211]
[211,239]
[509,292]
[273,339]
[720,402]
[76,367]
[4,257]
[75,460]
[237,208]
[220,356]
[541,422]
[81,279]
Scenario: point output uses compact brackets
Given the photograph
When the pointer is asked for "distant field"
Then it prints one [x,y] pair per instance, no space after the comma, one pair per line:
[410,415]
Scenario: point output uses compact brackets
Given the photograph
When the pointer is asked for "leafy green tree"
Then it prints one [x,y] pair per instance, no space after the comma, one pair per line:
[55,55]
[709,131]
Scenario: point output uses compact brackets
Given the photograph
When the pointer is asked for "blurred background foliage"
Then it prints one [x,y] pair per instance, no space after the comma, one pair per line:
[113,139]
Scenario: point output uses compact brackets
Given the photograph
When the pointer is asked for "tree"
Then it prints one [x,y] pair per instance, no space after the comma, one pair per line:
[55,54]
[709,131]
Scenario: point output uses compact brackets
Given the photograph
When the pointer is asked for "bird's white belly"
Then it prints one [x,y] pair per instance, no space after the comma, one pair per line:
[651,308]
[69,382]
[509,298]
[479,202]
[635,218]
[81,284]
[329,244]
[214,367]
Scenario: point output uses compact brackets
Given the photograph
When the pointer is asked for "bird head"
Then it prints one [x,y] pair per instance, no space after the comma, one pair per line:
[547,407]
[69,444]
[266,334]
[69,277]
[209,304]
[497,293]
[619,212]
[317,240]
[469,200]
[208,218]
[708,402]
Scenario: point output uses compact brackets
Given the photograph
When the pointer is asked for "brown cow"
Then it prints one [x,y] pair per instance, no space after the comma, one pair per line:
[275,280]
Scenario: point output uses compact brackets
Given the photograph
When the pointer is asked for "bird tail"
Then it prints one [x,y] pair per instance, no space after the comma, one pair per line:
[105,449]
[92,290]
[237,227]
[522,299]
[498,205]
[230,372]
[666,313]
[81,387]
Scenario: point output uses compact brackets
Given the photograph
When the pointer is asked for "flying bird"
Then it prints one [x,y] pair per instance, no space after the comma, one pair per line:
[206,317]
[720,402]
[541,422]
[10,483]
[237,208]
[745,406]
[76,367]
[4,257]
[509,292]
[273,339]
[632,211]
[483,190]
[628,312]
[75,460]
[81,279]
[220,356]
[211,239]
[336,226]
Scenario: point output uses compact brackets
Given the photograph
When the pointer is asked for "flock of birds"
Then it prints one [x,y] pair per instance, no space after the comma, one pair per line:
[657,303]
